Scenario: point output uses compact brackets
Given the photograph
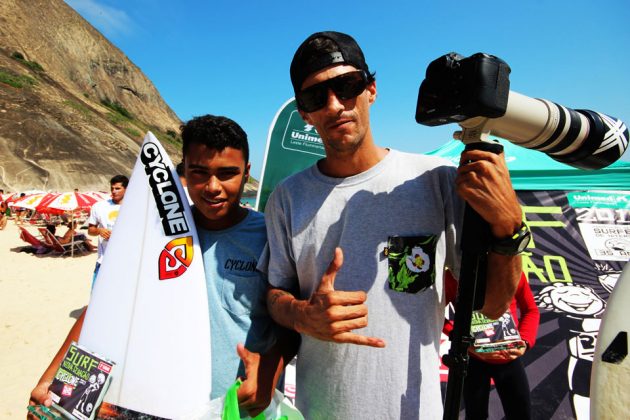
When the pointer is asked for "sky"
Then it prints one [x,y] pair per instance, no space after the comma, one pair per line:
[232,58]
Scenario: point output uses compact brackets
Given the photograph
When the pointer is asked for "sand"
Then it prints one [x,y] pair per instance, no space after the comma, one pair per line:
[41,297]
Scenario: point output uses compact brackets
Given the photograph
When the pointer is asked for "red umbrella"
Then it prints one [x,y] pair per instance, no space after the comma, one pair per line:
[31,201]
[9,196]
[70,202]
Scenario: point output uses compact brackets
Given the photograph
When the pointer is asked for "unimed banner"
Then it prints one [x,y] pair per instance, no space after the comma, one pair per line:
[292,145]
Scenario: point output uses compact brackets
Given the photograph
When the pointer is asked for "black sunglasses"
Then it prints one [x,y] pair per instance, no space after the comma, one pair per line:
[346,86]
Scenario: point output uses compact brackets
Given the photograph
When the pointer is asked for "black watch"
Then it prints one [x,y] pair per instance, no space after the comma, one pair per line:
[514,244]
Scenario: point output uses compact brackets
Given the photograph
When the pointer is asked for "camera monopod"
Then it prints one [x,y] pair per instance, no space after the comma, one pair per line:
[475,93]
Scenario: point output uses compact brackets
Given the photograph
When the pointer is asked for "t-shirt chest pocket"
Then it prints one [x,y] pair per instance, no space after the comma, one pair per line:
[243,294]
[411,262]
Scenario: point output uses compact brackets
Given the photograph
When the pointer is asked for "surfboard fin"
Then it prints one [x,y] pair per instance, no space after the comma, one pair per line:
[617,350]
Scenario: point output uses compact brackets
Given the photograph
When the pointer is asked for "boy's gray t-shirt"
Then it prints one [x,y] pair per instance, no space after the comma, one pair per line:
[236,296]
[308,215]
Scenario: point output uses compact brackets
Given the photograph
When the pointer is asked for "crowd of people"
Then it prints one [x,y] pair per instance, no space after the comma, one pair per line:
[333,283]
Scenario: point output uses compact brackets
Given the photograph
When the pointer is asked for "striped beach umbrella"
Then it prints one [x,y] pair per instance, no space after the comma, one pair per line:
[70,202]
[9,197]
[31,201]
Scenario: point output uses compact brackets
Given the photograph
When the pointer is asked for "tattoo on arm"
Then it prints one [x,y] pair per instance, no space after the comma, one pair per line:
[277,294]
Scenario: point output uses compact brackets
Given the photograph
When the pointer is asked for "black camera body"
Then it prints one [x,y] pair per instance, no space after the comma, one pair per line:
[458,88]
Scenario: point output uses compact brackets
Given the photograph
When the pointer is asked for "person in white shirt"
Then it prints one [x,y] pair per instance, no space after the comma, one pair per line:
[103,215]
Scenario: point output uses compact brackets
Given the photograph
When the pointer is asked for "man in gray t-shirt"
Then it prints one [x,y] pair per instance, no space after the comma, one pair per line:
[390,222]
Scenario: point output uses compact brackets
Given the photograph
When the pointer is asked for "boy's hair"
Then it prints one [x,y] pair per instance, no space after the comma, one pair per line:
[119,179]
[215,132]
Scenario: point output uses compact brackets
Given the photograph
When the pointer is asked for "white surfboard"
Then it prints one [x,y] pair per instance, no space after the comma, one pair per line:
[610,377]
[148,312]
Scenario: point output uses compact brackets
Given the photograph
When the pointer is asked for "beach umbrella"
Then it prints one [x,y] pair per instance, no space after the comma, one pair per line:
[7,196]
[31,201]
[100,195]
[31,192]
[12,197]
[70,202]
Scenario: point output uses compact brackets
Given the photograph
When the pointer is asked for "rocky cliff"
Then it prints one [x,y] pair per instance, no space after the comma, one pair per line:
[73,108]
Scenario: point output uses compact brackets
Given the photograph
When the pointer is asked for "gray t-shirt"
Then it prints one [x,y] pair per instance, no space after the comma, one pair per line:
[308,215]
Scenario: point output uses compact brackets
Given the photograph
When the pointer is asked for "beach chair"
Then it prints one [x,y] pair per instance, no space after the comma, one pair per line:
[53,243]
[34,241]
[31,239]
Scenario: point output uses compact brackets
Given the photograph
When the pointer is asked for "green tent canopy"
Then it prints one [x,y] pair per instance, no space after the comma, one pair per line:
[532,170]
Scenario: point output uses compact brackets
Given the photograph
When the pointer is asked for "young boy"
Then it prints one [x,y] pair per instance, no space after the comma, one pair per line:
[216,167]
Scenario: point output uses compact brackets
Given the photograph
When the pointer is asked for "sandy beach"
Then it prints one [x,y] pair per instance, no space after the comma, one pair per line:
[41,297]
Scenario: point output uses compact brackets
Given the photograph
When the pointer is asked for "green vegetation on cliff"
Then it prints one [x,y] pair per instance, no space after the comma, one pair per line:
[16,80]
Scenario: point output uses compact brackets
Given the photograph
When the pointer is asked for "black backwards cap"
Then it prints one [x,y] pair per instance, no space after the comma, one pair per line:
[312,56]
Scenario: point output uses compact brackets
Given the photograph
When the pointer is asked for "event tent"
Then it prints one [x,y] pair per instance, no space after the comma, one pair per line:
[533,170]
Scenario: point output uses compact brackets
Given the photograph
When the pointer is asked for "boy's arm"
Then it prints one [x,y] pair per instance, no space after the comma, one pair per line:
[530,315]
[263,371]
[39,394]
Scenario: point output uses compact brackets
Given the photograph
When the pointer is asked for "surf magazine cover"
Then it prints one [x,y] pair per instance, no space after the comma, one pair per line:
[80,383]
[494,334]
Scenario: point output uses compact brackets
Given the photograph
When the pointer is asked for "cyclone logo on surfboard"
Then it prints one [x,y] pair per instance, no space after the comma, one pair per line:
[175,258]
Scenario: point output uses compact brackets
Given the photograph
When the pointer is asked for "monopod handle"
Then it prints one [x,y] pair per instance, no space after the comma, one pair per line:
[476,238]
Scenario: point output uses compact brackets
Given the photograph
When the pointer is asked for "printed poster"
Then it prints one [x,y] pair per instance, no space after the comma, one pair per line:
[80,383]
[604,220]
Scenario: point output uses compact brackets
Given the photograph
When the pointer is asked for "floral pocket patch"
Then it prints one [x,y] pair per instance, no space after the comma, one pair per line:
[411,262]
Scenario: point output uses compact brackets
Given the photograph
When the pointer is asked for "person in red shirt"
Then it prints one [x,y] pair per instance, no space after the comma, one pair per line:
[504,367]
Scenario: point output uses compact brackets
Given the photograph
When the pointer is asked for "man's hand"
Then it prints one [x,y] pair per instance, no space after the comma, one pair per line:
[97,231]
[483,180]
[332,315]
[39,396]
[253,396]
[104,233]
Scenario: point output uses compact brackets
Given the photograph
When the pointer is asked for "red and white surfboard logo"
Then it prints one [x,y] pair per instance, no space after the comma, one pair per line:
[175,258]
